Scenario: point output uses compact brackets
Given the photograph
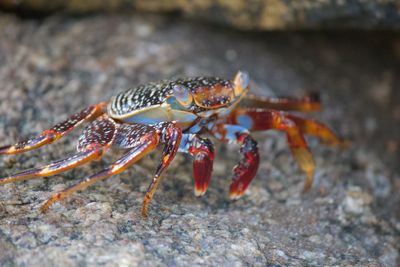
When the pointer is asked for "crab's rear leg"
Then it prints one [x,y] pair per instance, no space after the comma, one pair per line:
[319,130]
[202,151]
[56,132]
[294,127]
[95,140]
[307,103]
[140,139]
[246,169]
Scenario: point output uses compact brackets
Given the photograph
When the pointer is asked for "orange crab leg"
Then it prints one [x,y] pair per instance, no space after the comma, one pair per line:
[172,138]
[308,103]
[149,142]
[56,132]
[57,166]
[262,119]
[170,134]
[92,145]
[317,129]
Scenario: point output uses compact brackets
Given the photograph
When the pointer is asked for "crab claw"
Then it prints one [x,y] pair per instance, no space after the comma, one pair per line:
[247,168]
[202,169]
[202,151]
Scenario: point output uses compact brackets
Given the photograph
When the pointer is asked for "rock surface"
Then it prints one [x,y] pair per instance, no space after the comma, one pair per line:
[54,67]
[242,14]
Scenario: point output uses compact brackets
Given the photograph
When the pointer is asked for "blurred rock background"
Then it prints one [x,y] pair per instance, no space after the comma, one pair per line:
[241,14]
[59,56]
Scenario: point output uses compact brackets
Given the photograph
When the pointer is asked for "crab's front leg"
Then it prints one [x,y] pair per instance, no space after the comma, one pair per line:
[202,151]
[246,169]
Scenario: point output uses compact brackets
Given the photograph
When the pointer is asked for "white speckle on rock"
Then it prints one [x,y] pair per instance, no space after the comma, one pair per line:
[356,200]
[281,254]
[380,183]
[93,212]
[312,255]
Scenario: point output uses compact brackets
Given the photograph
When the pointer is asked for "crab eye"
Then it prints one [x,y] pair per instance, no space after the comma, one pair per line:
[241,81]
[182,95]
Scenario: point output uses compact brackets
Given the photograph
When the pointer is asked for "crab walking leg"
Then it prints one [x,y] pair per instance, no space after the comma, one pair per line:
[147,144]
[93,143]
[317,129]
[246,169]
[171,135]
[56,132]
[262,119]
[58,166]
[307,103]
[202,151]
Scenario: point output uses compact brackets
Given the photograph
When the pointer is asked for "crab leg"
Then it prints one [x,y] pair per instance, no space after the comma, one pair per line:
[142,145]
[95,140]
[56,132]
[246,169]
[308,103]
[147,144]
[202,151]
[171,136]
[262,119]
[317,129]
[57,166]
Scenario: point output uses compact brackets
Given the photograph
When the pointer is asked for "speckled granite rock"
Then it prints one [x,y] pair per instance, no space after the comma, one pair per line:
[242,14]
[51,68]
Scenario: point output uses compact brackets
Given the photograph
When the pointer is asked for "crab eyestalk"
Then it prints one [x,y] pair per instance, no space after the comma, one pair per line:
[241,83]
[183,95]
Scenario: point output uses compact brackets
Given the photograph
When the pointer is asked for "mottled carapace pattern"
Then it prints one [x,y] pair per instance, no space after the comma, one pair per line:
[156,93]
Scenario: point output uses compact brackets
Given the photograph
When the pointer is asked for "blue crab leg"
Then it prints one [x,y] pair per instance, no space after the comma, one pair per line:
[262,119]
[202,151]
[246,169]
[93,143]
[56,132]
[171,135]
[307,103]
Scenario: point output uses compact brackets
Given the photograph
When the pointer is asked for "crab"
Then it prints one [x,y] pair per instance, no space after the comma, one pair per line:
[178,114]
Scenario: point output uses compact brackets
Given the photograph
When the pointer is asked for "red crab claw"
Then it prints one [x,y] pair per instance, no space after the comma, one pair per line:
[202,165]
[247,168]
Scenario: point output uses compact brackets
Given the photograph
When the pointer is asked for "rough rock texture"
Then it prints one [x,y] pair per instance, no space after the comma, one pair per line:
[52,68]
[242,14]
